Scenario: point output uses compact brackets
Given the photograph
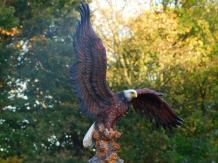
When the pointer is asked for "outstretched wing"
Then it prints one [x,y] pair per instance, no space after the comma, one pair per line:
[89,71]
[149,103]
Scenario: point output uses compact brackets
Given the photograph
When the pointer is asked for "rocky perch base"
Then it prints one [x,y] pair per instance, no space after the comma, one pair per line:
[106,147]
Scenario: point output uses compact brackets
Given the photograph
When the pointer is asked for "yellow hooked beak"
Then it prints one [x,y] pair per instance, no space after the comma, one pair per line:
[134,94]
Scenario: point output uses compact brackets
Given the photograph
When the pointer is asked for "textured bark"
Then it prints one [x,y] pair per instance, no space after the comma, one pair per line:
[106,147]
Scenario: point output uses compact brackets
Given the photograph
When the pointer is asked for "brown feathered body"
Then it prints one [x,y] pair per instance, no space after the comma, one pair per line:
[110,116]
[95,97]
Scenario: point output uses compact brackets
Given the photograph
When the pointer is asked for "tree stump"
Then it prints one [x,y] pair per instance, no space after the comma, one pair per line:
[106,147]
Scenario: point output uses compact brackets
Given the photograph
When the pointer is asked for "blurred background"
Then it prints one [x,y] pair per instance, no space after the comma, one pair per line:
[167,45]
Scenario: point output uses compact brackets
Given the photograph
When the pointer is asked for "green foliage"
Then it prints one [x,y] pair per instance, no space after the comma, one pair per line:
[174,51]
[39,116]
[7,18]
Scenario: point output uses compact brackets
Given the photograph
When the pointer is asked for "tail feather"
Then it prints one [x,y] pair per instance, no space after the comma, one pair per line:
[87,140]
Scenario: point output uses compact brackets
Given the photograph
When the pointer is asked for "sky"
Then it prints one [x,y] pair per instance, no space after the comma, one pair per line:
[129,7]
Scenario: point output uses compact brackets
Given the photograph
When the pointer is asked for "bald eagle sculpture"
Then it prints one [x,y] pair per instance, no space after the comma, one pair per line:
[96,99]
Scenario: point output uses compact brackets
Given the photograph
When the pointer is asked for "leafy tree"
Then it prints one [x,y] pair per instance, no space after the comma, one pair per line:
[39,118]
[174,51]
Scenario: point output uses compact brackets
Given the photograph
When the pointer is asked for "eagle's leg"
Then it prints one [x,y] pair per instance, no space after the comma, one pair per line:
[106,147]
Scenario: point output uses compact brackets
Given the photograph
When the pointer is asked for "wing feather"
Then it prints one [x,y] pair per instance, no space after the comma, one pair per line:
[150,104]
[89,72]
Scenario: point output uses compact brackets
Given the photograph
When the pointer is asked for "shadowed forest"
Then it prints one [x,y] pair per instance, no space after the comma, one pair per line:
[172,47]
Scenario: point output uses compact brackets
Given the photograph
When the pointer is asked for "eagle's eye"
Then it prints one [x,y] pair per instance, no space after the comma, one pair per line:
[133,93]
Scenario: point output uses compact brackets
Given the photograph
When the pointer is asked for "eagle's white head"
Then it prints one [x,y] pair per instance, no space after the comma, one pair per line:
[130,94]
